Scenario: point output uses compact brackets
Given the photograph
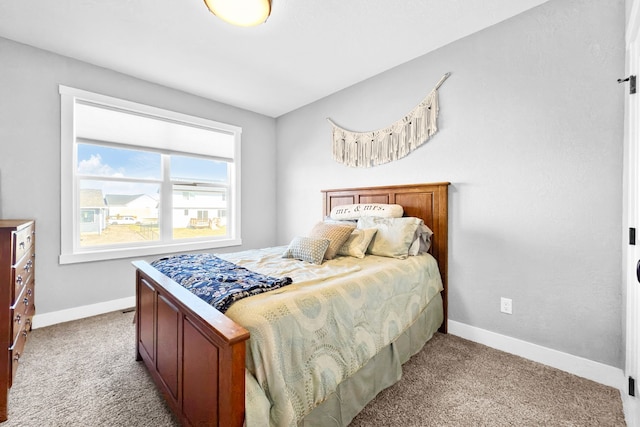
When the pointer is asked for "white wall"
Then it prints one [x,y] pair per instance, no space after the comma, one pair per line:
[531,137]
[30,166]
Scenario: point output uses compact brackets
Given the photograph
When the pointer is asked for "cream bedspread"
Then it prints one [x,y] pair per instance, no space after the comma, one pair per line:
[309,336]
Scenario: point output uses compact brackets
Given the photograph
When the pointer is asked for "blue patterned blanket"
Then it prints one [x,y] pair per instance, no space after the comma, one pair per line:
[218,282]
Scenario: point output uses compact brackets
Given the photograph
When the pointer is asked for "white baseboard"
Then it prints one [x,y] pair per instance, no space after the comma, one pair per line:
[594,371]
[48,319]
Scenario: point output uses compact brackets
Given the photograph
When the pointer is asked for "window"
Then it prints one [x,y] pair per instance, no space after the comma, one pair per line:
[138,180]
[87,216]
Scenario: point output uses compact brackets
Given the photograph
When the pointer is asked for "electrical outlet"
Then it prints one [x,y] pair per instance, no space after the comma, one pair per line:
[506,305]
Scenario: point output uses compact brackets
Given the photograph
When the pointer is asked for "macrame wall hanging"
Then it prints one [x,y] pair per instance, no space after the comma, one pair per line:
[366,149]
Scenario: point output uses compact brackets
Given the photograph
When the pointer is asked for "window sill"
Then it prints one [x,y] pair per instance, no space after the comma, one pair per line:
[119,253]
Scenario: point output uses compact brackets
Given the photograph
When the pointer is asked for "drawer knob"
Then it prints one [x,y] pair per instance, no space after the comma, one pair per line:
[17,357]
[24,334]
[19,279]
[26,301]
[29,291]
[28,239]
[18,319]
[21,245]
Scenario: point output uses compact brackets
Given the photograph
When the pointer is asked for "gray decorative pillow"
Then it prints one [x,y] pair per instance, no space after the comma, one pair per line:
[336,233]
[307,249]
[394,235]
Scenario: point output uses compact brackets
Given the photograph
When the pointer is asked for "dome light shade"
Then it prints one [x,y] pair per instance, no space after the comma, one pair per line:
[245,13]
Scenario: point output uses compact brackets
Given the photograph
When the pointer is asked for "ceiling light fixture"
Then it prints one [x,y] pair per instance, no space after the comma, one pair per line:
[245,13]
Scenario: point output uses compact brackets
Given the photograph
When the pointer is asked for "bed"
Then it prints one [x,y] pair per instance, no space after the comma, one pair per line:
[203,362]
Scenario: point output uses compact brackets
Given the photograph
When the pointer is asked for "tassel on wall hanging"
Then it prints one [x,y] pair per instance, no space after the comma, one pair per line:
[366,149]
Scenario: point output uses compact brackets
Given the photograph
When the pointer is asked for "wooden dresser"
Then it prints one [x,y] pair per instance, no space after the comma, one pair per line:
[17,281]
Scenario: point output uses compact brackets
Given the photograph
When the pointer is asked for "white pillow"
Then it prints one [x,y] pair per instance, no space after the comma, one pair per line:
[421,240]
[357,244]
[351,222]
[362,210]
[394,236]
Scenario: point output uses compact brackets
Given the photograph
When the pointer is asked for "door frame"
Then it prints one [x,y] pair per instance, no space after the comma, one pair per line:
[631,216]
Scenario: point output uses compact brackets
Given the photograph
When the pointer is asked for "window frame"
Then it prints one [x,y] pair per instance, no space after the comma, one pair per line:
[70,251]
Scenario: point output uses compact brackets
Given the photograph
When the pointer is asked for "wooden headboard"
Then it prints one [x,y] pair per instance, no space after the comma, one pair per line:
[425,201]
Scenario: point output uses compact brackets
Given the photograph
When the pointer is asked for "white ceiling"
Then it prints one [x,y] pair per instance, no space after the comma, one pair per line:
[306,50]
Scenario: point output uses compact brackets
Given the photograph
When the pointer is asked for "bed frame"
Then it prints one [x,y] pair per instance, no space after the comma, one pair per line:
[196,355]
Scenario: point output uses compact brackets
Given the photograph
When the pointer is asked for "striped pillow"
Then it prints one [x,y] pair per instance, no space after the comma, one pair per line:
[336,233]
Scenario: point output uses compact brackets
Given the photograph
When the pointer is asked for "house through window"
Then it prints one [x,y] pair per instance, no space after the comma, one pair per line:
[138,180]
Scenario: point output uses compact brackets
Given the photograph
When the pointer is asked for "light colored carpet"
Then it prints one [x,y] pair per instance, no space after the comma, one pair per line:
[84,373]
[455,382]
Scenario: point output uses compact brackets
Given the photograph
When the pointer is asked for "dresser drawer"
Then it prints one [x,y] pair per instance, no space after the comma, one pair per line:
[23,308]
[22,273]
[24,240]
[22,312]
[15,351]
[22,315]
